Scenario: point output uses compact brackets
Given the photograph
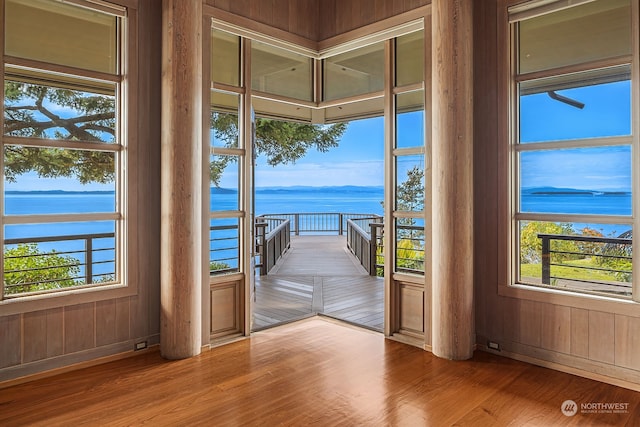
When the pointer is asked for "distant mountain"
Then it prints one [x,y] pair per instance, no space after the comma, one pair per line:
[329,189]
[219,190]
[53,192]
[539,191]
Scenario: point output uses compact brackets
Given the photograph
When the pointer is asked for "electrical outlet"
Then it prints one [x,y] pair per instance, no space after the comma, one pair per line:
[493,345]
[140,345]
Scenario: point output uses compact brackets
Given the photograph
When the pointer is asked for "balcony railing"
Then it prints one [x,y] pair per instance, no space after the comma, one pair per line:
[318,222]
[273,239]
[83,263]
[224,249]
[366,245]
[608,256]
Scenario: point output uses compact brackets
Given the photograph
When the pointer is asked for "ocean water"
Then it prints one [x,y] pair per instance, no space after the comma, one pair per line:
[267,201]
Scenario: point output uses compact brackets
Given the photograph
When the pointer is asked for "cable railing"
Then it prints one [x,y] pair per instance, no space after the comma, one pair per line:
[80,260]
[224,249]
[318,222]
[366,246]
[601,264]
[273,239]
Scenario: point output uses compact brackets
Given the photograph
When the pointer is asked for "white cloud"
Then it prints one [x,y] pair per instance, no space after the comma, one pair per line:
[365,173]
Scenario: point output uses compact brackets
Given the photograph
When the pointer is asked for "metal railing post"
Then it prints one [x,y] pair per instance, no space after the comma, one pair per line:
[297,224]
[340,226]
[373,250]
[88,257]
[546,260]
[261,233]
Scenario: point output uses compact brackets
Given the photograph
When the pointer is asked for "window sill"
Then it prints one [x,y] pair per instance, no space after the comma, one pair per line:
[28,304]
[571,299]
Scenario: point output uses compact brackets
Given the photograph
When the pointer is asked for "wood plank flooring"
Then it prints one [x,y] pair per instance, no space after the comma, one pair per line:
[313,372]
[318,275]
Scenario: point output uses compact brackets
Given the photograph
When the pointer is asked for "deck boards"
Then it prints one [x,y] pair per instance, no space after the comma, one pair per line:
[318,275]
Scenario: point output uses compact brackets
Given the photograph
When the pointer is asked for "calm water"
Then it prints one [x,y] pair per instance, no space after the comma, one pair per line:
[273,201]
[270,201]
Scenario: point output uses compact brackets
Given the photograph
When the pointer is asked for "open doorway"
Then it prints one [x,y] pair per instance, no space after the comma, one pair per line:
[319,224]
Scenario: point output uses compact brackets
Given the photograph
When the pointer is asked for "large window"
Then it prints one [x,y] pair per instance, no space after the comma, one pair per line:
[226,154]
[574,147]
[63,147]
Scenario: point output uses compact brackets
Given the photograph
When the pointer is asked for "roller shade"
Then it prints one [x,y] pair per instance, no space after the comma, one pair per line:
[63,34]
[593,31]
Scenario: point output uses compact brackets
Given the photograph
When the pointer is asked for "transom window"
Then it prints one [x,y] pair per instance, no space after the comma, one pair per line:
[63,147]
[574,147]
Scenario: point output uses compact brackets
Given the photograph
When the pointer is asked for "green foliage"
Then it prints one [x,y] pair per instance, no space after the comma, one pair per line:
[37,111]
[569,271]
[410,193]
[531,244]
[218,266]
[586,260]
[409,255]
[280,141]
[26,269]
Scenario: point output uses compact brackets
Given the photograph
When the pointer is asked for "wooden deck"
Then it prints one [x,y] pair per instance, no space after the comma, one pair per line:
[319,275]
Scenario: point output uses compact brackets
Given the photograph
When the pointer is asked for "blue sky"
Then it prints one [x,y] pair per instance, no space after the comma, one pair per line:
[606,113]
[358,160]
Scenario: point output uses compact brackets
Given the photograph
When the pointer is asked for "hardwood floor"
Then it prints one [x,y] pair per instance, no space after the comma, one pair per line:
[313,372]
[318,275]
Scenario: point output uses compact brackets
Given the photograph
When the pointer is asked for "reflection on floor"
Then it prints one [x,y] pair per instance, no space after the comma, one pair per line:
[318,275]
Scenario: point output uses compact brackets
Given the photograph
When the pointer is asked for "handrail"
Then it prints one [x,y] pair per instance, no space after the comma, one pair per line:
[363,245]
[318,222]
[546,253]
[270,246]
[86,262]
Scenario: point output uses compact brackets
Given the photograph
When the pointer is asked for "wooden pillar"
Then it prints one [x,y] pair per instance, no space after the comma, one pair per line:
[452,148]
[181,177]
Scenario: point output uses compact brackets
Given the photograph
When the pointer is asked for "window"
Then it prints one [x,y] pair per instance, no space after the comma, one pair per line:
[353,73]
[409,167]
[574,147]
[280,72]
[63,147]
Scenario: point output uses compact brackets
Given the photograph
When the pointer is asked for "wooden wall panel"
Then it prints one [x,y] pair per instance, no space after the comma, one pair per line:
[225,303]
[35,333]
[105,322]
[627,342]
[341,16]
[299,17]
[317,19]
[601,336]
[112,321]
[79,327]
[11,333]
[580,332]
[411,308]
[556,328]
[531,323]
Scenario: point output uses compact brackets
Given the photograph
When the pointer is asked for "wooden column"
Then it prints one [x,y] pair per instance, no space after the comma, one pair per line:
[452,148]
[181,240]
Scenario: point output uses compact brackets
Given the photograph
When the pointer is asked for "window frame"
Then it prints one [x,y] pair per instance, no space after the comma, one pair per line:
[124,214]
[510,248]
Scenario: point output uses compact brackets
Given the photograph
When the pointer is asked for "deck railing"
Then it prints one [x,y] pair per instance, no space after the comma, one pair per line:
[366,246]
[273,239]
[600,249]
[52,269]
[318,222]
